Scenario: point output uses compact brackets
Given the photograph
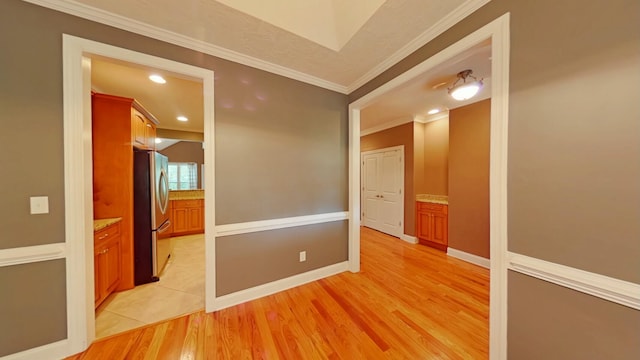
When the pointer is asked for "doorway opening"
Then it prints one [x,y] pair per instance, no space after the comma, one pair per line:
[497,32]
[77,57]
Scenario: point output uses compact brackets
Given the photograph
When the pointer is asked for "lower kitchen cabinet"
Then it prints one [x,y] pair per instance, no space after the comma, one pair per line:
[187,217]
[106,260]
[432,224]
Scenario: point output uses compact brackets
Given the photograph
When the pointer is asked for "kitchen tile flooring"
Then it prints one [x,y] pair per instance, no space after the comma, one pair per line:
[180,291]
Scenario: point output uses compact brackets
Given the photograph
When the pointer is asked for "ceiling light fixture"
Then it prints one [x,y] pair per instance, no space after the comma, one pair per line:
[182,118]
[157,79]
[158,140]
[465,90]
[433,111]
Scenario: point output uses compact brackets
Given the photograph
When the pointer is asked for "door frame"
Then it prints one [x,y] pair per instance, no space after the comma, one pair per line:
[400,233]
[76,53]
[498,32]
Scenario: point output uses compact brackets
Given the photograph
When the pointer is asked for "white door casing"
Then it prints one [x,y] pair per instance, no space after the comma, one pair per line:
[383,189]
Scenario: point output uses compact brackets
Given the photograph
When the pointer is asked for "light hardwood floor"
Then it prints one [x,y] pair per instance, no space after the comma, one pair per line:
[408,302]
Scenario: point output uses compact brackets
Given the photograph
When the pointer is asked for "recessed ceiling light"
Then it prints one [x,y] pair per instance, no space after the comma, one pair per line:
[158,140]
[157,79]
[182,118]
[433,111]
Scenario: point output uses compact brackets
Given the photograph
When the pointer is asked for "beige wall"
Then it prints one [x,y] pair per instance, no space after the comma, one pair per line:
[436,157]
[186,151]
[573,154]
[282,156]
[469,137]
[399,135]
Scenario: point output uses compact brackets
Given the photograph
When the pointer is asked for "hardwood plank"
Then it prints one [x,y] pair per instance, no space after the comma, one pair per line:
[408,302]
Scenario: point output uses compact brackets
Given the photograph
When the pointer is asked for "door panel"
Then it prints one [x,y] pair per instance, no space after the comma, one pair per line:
[382,187]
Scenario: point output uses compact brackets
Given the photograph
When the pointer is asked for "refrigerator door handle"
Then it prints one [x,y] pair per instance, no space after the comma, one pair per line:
[164,226]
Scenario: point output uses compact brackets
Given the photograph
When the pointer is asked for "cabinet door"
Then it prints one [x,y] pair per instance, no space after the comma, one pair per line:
[111,261]
[195,218]
[180,219]
[425,228]
[139,129]
[439,228]
[97,277]
[150,135]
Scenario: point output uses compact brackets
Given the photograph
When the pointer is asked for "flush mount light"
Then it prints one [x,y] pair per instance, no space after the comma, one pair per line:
[182,118]
[466,89]
[158,140]
[433,111]
[157,79]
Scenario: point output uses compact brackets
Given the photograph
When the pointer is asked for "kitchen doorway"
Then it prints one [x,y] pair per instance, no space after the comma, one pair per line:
[77,54]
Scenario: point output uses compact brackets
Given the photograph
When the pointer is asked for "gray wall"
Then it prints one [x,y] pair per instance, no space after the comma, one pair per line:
[285,155]
[573,155]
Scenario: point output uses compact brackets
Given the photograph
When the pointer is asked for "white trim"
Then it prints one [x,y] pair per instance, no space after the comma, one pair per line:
[498,32]
[55,350]
[78,174]
[354,190]
[470,258]
[274,224]
[138,27]
[438,28]
[259,291]
[30,254]
[605,287]
[408,238]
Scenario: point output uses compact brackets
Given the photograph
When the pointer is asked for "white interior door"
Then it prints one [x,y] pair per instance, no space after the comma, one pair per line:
[382,189]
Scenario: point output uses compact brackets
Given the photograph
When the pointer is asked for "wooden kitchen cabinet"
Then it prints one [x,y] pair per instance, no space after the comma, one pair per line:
[143,134]
[432,224]
[119,125]
[106,260]
[187,217]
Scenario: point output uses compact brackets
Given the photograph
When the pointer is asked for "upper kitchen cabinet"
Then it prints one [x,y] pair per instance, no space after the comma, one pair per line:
[143,126]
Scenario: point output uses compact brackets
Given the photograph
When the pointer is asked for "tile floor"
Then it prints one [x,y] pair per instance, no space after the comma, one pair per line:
[180,291]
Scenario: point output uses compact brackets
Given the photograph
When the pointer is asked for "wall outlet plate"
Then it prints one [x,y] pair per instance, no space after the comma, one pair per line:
[303,256]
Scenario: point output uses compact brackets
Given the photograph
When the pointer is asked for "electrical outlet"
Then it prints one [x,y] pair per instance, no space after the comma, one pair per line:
[303,256]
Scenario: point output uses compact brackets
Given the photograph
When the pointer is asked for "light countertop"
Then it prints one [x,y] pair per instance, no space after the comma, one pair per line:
[436,199]
[99,224]
[186,194]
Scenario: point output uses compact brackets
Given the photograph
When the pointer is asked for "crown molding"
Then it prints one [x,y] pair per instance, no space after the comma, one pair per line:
[121,22]
[387,125]
[438,28]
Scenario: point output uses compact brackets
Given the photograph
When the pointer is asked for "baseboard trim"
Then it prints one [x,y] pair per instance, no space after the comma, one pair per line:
[408,238]
[605,287]
[253,293]
[470,258]
[274,224]
[31,254]
[56,350]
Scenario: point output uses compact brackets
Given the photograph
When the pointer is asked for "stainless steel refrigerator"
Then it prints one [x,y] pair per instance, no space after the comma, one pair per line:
[151,220]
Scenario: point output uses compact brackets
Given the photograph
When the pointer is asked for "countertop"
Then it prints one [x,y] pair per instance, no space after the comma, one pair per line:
[186,194]
[436,199]
[99,224]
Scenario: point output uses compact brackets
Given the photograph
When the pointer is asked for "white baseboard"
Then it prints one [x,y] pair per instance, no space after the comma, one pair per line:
[474,259]
[56,350]
[605,287]
[408,238]
[253,293]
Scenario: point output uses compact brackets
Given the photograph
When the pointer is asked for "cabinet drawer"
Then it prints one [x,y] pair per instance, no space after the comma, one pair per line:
[186,203]
[432,207]
[107,233]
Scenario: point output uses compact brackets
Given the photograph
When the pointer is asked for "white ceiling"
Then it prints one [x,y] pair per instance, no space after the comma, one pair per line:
[338,44]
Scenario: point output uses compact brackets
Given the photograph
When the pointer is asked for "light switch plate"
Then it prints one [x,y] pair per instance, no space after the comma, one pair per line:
[303,256]
[39,204]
